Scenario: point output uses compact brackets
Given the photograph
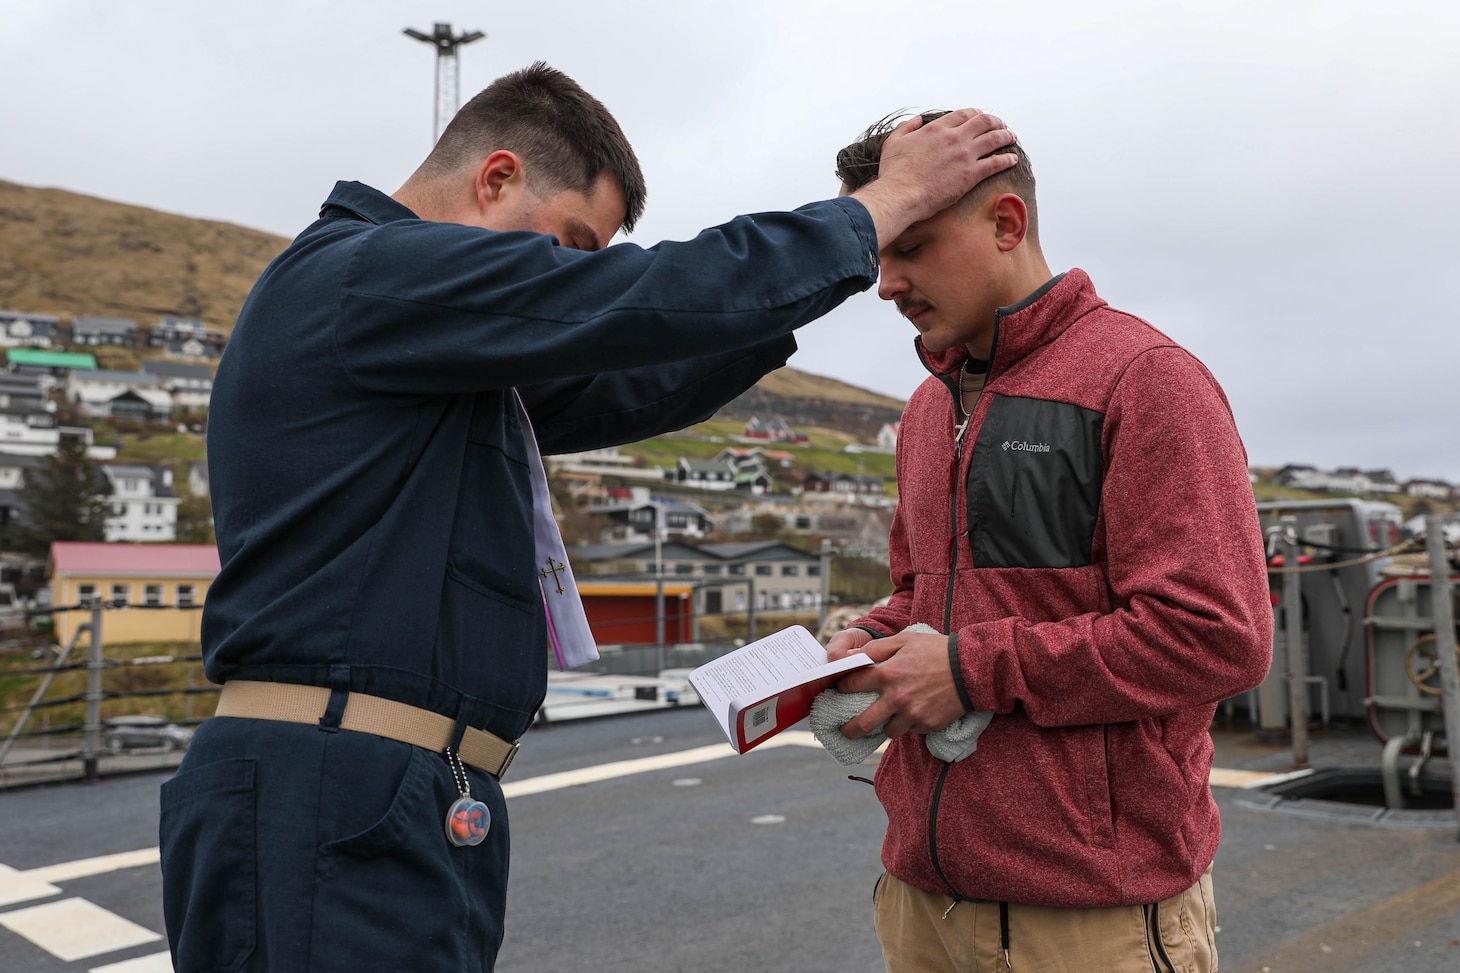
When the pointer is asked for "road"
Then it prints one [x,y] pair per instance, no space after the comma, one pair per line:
[641,844]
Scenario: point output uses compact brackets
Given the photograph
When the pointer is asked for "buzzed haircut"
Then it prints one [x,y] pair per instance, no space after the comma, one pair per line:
[859,163]
[566,137]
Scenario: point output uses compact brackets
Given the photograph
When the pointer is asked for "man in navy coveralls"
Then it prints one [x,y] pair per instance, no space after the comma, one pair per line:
[371,490]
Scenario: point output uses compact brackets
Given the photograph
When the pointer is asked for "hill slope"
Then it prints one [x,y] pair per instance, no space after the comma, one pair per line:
[69,254]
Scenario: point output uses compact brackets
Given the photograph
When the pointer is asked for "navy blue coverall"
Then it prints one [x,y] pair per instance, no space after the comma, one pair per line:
[373,511]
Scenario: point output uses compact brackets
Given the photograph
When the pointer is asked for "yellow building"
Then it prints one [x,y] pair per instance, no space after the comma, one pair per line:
[153,592]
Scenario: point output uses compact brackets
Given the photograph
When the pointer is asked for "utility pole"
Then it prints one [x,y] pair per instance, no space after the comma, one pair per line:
[1292,602]
[448,96]
[659,581]
[826,552]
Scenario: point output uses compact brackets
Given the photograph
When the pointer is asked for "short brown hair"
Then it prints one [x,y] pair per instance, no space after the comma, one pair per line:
[859,163]
[567,136]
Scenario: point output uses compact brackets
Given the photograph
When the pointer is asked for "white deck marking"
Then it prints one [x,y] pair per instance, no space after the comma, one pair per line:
[100,865]
[624,768]
[22,887]
[74,929]
[1249,779]
[156,963]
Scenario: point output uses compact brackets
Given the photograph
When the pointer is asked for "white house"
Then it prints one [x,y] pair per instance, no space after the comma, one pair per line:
[191,386]
[104,331]
[634,519]
[22,329]
[1433,489]
[198,479]
[29,431]
[20,390]
[143,503]
[103,386]
[186,338]
[706,474]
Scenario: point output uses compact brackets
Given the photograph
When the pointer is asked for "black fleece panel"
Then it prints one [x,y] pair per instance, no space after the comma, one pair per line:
[1034,484]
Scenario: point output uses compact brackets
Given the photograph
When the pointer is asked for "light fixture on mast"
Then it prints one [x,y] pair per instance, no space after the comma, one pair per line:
[447,93]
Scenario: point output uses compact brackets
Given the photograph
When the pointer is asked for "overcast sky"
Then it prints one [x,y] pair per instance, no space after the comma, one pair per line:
[1274,184]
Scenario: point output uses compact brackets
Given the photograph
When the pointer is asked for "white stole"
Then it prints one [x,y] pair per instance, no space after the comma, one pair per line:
[568,632]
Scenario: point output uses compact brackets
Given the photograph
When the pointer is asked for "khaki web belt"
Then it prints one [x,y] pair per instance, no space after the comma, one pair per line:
[294,703]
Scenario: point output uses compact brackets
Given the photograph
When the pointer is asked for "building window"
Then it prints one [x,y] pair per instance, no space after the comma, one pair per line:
[712,570]
[737,569]
[684,569]
[790,570]
[651,566]
[121,594]
[762,570]
[813,570]
[85,593]
[152,594]
[185,596]
[803,523]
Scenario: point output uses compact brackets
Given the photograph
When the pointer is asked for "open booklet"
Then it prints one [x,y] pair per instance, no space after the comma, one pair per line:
[767,686]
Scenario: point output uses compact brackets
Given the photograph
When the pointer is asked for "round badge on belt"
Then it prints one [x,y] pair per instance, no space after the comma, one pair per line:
[467,822]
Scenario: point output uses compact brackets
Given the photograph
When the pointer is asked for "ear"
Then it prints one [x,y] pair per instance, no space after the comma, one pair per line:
[499,174]
[1011,221]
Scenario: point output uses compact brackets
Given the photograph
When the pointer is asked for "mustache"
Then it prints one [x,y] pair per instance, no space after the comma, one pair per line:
[909,306]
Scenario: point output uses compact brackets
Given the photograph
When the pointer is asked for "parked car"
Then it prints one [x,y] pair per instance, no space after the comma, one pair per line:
[134,732]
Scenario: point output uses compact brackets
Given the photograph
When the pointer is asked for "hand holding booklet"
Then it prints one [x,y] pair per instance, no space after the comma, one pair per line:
[767,686]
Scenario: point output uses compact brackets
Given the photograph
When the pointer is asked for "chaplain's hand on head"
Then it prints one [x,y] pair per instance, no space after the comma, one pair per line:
[912,677]
[928,166]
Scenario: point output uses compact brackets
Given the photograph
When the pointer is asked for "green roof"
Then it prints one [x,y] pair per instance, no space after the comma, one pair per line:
[50,359]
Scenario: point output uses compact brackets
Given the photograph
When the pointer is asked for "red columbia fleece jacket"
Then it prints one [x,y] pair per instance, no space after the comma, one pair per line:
[1092,543]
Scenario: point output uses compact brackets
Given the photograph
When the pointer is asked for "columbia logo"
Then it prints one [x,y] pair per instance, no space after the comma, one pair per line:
[1019,446]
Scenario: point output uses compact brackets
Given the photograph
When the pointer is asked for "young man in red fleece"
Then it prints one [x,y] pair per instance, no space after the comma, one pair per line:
[1076,515]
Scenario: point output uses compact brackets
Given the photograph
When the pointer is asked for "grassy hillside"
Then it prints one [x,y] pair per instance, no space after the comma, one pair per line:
[67,254]
[824,454]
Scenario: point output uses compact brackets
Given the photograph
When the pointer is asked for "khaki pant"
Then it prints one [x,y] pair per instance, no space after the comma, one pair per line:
[920,934]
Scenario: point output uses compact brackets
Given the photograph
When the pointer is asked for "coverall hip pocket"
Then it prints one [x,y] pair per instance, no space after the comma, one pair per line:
[209,838]
[390,895]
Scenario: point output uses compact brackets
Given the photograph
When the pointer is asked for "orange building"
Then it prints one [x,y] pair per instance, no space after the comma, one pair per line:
[623,612]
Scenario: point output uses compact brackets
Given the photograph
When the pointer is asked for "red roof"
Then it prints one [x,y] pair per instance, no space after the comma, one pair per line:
[82,557]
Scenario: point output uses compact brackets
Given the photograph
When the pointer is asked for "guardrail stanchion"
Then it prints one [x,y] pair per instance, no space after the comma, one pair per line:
[93,697]
[1442,610]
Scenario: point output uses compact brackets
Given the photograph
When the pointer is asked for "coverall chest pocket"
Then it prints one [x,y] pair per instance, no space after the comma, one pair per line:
[491,543]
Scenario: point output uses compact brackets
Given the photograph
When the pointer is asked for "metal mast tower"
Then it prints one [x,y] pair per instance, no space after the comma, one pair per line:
[447,93]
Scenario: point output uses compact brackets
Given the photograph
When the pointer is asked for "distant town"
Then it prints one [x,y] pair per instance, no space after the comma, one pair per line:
[102,443]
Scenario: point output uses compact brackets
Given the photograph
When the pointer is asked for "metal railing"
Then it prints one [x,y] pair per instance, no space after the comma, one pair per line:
[92,727]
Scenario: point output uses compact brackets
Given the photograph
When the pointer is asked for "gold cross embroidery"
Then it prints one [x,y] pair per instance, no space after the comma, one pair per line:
[553,568]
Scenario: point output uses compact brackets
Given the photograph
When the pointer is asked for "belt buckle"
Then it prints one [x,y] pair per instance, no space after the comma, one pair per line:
[507,761]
